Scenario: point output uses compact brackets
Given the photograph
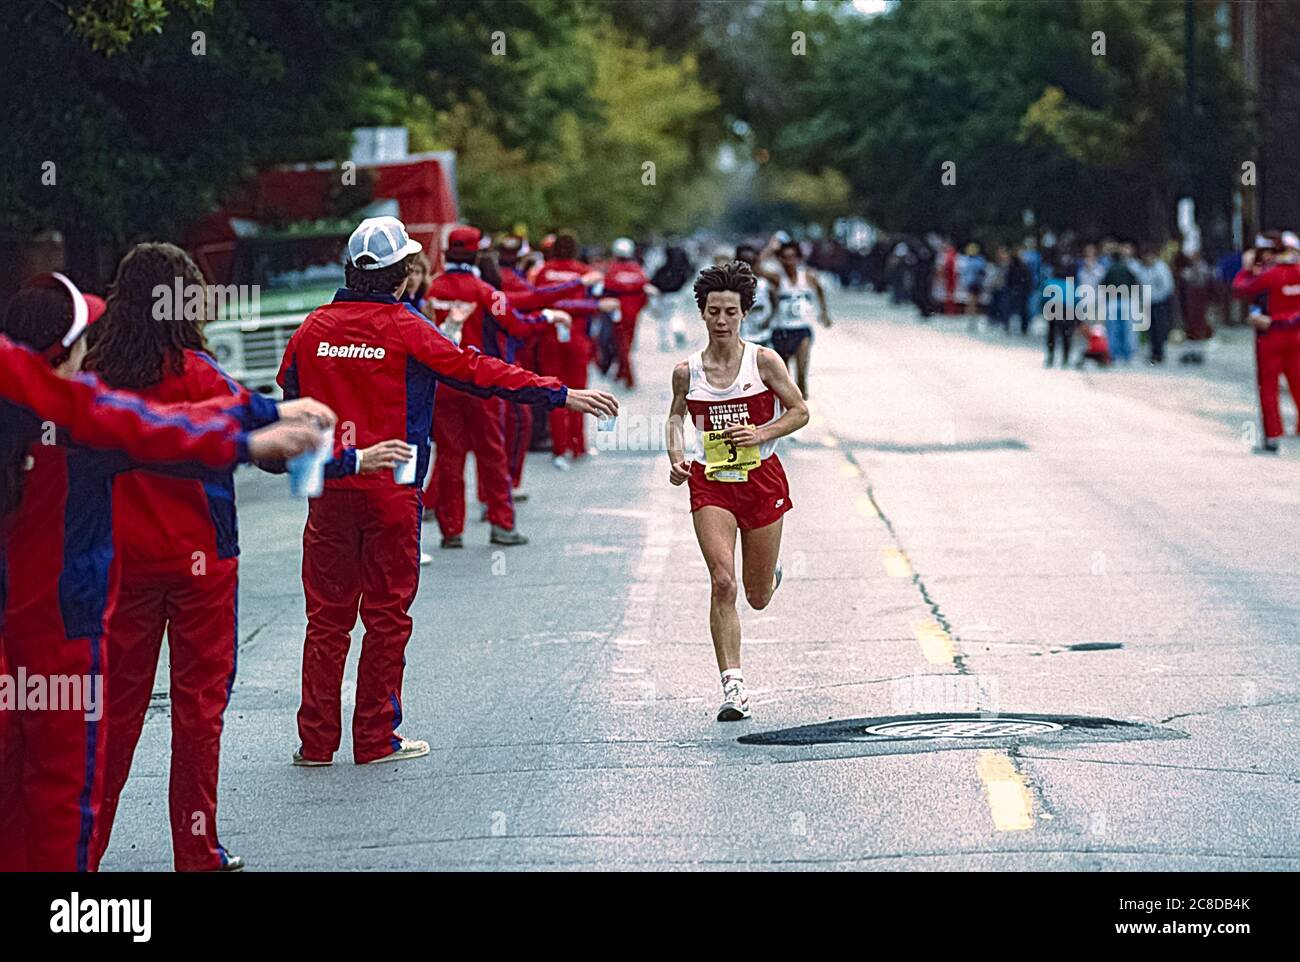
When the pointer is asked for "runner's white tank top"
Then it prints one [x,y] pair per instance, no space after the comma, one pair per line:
[746,401]
[794,301]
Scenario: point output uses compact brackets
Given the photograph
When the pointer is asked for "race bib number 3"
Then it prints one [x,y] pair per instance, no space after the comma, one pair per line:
[725,460]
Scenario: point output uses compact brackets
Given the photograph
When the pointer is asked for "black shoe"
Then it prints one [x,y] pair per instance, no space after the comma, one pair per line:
[1270,446]
[520,497]
[453,541]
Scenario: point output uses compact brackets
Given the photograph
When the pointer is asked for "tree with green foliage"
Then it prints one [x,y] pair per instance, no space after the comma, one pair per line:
[1075,111]
[156,109]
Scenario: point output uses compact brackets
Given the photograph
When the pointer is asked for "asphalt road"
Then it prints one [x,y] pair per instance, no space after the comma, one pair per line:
[963,518]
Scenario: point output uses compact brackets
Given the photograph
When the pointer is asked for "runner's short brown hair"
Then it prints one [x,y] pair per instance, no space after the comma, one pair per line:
[732,276]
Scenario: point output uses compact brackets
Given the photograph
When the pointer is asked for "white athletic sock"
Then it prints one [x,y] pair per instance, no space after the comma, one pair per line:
[732,673]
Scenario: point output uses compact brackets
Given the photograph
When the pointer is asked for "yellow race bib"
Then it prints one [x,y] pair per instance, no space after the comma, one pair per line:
[726,461]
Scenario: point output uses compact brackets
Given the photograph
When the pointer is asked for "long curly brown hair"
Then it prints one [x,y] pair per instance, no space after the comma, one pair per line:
[140,337]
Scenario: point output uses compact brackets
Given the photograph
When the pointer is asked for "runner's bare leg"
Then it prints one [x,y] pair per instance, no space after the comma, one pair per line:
[760,548]
[715,528]
[802,355]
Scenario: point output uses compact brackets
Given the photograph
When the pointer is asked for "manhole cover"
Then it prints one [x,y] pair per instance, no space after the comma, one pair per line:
[963,728]
[955,731]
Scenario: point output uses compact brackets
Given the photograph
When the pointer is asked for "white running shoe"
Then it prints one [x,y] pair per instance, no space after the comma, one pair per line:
[409,749]
[560,463]
[735,701]
[425,559]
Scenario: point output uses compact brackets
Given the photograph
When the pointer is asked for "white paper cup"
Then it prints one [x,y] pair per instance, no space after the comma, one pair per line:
[404,473]
[307,470]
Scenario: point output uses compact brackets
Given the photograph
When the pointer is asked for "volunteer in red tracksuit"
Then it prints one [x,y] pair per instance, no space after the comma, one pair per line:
[61,526]
[376,362]
[177,561]
[625,280]
[466,423]
[88,415]
[566,359]
[1278,342]
[519,417]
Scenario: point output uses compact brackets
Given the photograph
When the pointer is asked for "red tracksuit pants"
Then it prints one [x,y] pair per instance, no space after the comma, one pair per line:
[569,362]
[625,338]
[360,551]
[464,423]
[1277,354]
[518,427]
[519,432]
[52,763]
[199,613]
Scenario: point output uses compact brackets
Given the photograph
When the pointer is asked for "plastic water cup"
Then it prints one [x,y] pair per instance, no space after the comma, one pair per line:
[562,333]
[404,473]
[606,422]
[307,470]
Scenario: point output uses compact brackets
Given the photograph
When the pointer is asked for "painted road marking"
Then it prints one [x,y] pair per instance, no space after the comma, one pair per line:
[936,645]
[1010,804]
[896,564]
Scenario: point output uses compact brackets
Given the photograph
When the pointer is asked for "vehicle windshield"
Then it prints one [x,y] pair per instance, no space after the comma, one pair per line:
[292,263]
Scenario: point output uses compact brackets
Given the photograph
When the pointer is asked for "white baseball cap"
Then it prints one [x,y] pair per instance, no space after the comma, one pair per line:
[382,238]
[623,247]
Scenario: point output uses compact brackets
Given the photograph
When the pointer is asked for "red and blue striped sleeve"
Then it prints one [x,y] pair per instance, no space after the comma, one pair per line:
[92,416]
[208,380]
[471,371]
[535,298]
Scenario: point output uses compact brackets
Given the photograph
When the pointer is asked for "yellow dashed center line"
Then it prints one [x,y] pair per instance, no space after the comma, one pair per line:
[1008,792]
[936,644]
[896,564]
[1010,801]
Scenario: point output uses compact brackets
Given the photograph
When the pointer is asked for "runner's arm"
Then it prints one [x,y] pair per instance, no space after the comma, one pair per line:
[675,431]
[821,298]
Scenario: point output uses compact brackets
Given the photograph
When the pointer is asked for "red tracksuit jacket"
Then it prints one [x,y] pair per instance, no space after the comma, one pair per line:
[500,314]
[626,281]
[568,296]
[559,272]
[63,530]
[1281,284]
[160,520]
[99,432]
[376,362]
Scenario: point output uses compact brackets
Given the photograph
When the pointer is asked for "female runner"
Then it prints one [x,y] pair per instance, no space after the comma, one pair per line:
[741,399]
